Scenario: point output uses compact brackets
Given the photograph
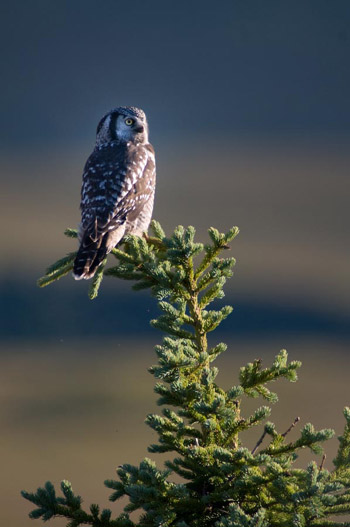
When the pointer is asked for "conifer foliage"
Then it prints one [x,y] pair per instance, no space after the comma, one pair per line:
[222,483]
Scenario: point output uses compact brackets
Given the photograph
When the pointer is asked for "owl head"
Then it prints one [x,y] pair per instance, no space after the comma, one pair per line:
[124,124]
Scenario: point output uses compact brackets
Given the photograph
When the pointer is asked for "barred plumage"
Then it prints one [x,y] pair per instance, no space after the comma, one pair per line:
[118,187]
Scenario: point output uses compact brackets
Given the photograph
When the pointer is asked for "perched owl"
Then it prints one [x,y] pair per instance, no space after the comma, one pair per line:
[118,187]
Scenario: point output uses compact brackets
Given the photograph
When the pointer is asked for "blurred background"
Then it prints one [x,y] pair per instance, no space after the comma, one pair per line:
[249,112]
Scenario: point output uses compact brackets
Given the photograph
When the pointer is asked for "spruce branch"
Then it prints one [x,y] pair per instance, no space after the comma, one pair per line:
[322,462]
[69,506]
[71,233]
[342,460]
[96,281]
[296,420]
[57,270]
[260,440]
[253,378]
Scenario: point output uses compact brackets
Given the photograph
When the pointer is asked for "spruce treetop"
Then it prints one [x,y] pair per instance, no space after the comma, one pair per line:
[200,425]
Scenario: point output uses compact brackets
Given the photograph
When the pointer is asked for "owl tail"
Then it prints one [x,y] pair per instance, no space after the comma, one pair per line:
[90,255]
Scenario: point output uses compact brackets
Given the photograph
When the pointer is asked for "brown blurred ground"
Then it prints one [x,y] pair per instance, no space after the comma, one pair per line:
[290,200]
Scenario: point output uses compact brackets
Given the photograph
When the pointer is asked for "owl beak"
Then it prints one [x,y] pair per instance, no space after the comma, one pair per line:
[139,129]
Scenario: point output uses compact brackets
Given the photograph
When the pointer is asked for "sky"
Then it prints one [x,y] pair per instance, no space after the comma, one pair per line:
[240,68]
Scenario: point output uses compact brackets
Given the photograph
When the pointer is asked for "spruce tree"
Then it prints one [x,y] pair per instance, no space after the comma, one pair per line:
[222,482]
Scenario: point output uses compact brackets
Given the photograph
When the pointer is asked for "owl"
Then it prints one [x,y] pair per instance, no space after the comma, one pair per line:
[118,188]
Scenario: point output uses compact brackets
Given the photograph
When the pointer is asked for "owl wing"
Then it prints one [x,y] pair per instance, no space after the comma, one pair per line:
[118,180]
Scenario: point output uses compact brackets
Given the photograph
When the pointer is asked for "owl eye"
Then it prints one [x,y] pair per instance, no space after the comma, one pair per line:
[129,121]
